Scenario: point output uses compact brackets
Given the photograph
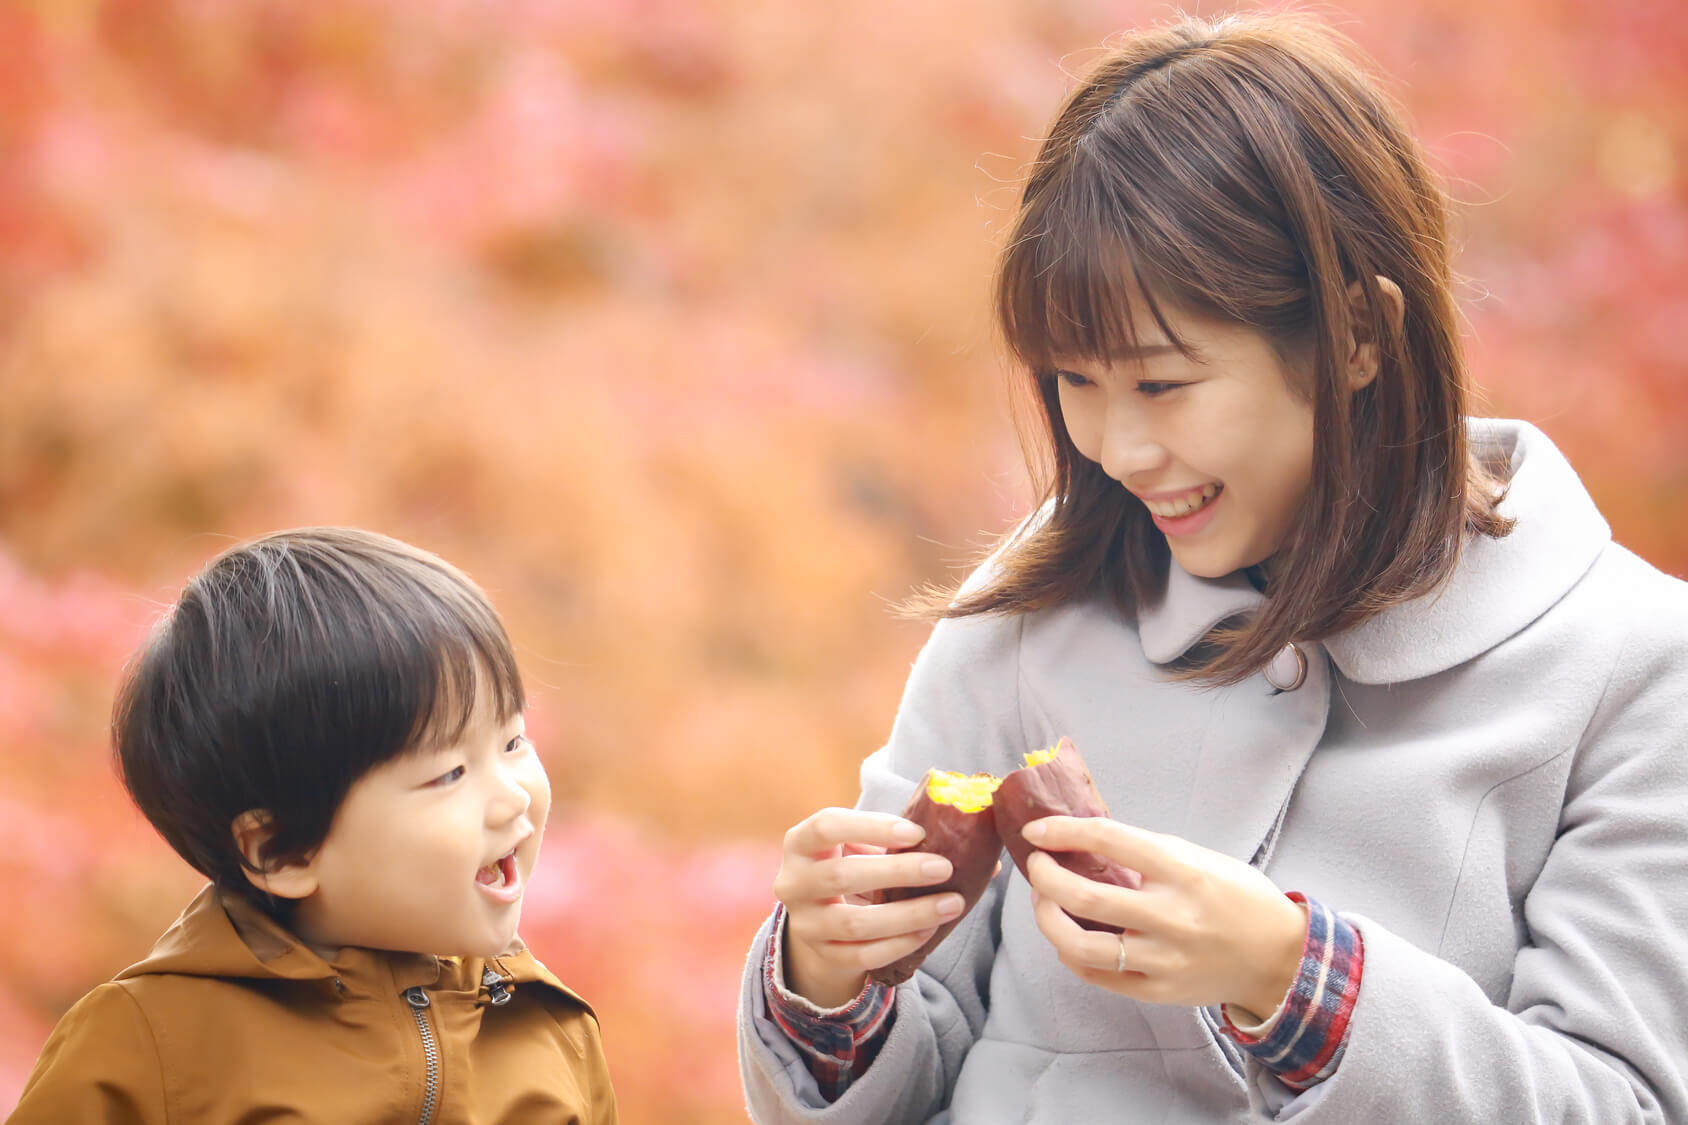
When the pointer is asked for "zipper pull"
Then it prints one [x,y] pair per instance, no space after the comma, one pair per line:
[416,997]
[497,993]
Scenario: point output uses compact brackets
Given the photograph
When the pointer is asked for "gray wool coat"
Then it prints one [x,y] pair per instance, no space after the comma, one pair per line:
[1490,783]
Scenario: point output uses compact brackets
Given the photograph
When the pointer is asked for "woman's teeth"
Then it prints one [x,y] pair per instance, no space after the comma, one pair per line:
[1183,505]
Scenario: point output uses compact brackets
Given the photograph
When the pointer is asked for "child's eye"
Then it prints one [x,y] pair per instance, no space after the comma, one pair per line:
[1073,378]
[517,743]
[449,777]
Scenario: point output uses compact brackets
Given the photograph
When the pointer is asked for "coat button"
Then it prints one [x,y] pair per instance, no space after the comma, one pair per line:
[1287,670]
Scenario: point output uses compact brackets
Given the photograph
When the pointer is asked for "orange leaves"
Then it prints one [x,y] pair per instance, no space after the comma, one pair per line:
[668,320]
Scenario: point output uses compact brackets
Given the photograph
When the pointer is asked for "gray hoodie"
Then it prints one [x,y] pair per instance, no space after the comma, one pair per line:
[1490,783]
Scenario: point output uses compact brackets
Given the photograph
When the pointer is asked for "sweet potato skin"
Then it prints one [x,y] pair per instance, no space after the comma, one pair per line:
[1058,787]
[969,841]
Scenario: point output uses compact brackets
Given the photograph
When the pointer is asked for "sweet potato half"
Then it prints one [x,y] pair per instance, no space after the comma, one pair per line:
[970,818]
[1056,782]
[955,810]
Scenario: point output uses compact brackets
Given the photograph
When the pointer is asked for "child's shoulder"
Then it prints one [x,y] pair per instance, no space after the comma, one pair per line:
[103,1052]
[109,1011]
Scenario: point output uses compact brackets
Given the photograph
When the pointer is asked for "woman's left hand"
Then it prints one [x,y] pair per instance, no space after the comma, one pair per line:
[1203,929]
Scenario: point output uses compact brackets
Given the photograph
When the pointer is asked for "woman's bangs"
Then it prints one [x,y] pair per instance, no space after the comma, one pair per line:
[1072,287]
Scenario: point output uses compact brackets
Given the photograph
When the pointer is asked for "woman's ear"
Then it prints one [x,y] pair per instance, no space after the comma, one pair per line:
[1363,357]
[252,830]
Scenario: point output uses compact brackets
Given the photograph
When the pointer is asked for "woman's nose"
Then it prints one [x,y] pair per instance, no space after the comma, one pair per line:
[1129,446]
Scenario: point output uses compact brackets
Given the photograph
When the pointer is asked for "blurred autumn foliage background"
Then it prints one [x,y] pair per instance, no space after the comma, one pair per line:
[666,319]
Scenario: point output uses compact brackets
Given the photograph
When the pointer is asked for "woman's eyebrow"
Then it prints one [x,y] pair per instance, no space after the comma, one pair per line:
[1132,353]
[1137,353]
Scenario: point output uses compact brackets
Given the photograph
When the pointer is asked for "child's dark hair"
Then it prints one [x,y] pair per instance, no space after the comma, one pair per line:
[290,667]
[1245,170]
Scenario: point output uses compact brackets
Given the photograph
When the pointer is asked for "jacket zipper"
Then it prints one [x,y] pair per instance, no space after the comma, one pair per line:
[498,992]
[418,1001]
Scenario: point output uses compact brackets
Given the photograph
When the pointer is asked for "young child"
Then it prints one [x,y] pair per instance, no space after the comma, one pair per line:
[1314,631]
[328,726]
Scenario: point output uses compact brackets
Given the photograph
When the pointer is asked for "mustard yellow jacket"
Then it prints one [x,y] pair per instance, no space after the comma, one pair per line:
[231,1019]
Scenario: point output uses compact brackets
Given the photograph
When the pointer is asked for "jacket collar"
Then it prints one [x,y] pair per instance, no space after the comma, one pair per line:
[224,935]
[1498,587]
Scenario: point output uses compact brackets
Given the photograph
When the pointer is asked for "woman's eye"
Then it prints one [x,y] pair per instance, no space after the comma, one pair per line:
[1073,378]
[1153,389]
[448,778]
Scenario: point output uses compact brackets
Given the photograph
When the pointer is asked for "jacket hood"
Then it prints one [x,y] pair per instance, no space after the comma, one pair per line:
[224,935]
[1498,587]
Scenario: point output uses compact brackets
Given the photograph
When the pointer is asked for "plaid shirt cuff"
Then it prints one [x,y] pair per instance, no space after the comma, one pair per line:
[837,1043]
[1303,1041]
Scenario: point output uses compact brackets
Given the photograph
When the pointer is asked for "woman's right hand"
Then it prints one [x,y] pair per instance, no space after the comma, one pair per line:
[835,933]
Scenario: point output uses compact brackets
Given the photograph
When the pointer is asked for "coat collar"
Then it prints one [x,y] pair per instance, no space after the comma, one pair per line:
[223,935]
[1190,608]
[1498,587]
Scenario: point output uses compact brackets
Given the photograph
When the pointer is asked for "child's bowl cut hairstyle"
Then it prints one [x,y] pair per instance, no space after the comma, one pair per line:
[291,666]
[1245,170]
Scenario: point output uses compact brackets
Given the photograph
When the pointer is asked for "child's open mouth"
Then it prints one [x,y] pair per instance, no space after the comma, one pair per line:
[500,874]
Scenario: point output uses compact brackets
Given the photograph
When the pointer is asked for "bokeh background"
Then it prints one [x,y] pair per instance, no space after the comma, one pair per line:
[666,319]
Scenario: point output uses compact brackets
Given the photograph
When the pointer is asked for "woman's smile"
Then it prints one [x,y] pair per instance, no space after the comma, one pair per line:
[1186,513]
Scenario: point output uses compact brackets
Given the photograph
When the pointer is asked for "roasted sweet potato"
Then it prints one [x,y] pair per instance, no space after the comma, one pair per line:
[955,810]
[1056,782]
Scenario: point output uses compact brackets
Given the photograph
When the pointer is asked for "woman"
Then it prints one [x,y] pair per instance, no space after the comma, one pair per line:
[1315,631]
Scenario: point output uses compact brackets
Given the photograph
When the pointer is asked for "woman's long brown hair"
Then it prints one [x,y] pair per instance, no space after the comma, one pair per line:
[1244,169]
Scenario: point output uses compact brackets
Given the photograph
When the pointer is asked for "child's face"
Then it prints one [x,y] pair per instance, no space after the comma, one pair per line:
[431,852]
[1218,448]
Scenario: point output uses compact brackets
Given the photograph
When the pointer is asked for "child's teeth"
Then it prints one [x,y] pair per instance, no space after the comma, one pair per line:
[501,872]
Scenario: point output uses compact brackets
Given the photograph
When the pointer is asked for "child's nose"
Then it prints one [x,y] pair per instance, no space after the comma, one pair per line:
[510,800]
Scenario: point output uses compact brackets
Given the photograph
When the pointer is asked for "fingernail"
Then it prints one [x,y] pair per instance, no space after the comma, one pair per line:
[1036,830]
[950,906]
[1036,898]
[908,832]
[935,868]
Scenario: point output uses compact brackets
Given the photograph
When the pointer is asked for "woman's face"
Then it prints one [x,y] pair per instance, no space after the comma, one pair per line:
[1217,447]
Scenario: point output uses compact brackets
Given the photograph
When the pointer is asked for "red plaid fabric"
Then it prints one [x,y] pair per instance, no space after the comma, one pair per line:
[1304,1041]
[837,1044]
